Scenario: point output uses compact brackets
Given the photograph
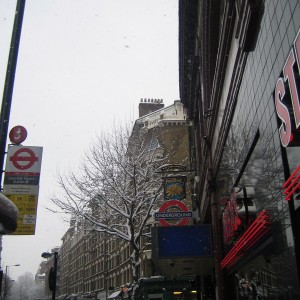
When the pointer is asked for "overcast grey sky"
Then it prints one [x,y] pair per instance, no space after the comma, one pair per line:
[82,65]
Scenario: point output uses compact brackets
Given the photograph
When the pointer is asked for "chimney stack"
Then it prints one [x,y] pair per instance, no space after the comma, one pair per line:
[148,106]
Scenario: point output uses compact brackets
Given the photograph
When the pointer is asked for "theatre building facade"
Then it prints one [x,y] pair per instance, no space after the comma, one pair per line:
[239,67]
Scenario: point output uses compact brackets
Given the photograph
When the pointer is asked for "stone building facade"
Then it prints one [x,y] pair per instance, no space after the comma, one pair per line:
[93,264]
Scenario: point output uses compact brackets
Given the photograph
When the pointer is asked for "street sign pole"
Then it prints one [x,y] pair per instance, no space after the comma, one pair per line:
[9,84]
[9,81]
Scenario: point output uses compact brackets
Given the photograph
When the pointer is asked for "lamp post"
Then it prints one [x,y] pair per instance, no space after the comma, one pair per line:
[5,280]
[53,272]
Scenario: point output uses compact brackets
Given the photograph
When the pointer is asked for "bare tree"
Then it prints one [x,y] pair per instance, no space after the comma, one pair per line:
[117,186]
[25,288]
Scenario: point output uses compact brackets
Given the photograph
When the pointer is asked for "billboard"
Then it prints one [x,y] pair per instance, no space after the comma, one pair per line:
[182,241]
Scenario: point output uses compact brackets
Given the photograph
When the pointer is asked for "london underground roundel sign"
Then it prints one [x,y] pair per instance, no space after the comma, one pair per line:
[23,159]
[173,210]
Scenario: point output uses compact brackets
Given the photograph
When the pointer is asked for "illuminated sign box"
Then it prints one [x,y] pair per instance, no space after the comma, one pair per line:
[182,241]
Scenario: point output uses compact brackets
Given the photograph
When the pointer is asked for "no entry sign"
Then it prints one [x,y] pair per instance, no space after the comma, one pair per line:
[173,210]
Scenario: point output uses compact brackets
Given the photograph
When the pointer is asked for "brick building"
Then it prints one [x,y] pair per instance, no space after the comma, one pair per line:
[93,264]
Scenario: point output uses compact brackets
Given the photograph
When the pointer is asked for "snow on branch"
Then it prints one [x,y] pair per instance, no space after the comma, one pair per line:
[117,184]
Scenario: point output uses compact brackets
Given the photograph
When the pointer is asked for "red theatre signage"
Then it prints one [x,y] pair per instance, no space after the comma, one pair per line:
[292,185]
[257,230]
[231,220]
[287,102]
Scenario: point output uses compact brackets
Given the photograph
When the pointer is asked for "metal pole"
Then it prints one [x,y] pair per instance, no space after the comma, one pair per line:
[5,283]
[9,85]
[1,271]
[217,244]
[9,81]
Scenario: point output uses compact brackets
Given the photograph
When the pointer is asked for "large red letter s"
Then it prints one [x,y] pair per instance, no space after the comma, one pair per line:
[285,129]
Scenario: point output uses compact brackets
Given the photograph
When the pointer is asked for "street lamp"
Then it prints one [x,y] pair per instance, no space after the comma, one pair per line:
[52,273]
[5,280]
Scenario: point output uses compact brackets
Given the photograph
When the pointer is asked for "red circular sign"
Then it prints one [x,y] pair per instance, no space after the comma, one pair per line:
[28,159]
[177,204]
[18,134]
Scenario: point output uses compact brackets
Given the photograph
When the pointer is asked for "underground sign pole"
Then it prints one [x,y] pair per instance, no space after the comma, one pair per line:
[9,81]
[7,94]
